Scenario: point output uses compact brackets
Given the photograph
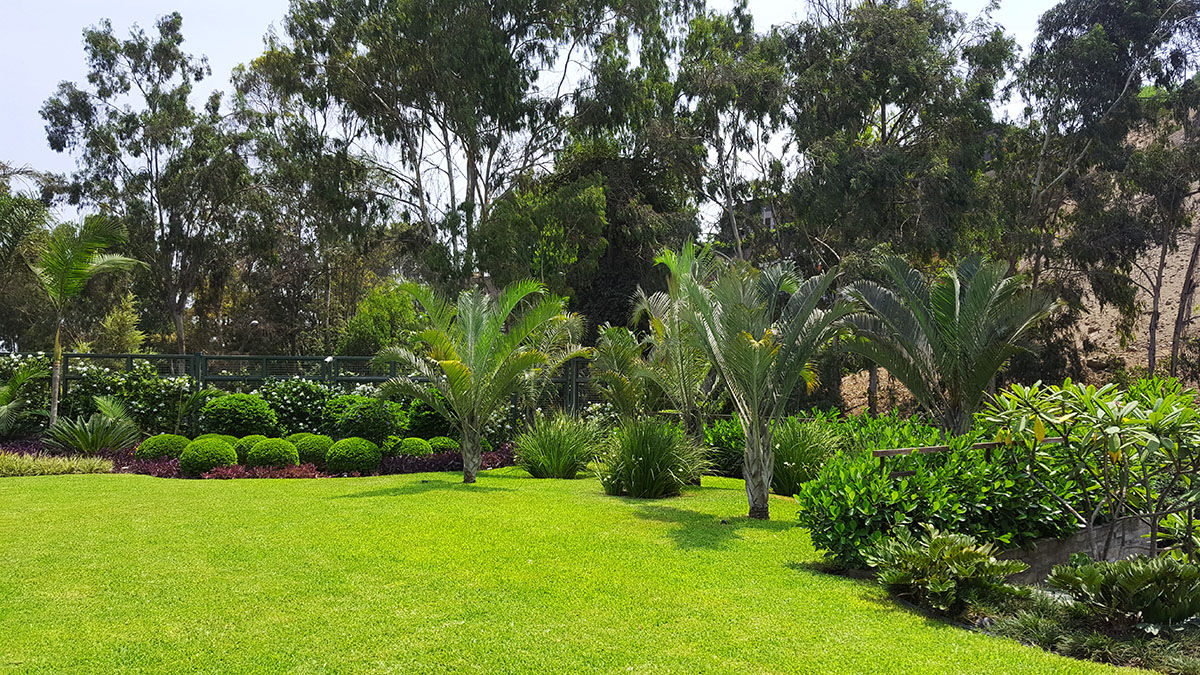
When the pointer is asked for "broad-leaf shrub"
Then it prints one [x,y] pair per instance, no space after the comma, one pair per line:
[1162,590]
[152,399]
[242,446]
[163,445]
[312,449]
[939,570]
[272,452]
[353,455]
[238,415]
[559,447]
[204,455]
[851,505]
[727,443]
[801,449]
[425,422]
[298,403]
[374,419]
[649,458]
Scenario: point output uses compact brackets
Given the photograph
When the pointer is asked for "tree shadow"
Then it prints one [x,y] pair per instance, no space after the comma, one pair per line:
[423,486]
[696,530]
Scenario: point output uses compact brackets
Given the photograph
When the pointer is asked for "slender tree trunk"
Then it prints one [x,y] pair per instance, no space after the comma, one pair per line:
[56,371]
[1184,311]
[757,468]
[472,453]
[1155,305]
[873,390]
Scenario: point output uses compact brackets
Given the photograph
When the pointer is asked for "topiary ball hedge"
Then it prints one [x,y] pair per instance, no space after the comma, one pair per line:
[238,415]
[243,445]
[204,455]
[272,452]
[297,436]
[444,444]
[415,447]
[352,455]
[232,440]
[169,446]
[312,449]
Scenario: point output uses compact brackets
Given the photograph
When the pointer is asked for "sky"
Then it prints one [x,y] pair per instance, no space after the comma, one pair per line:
[41,45]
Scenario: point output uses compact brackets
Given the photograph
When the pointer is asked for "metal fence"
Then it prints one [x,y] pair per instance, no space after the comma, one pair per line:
[234,371]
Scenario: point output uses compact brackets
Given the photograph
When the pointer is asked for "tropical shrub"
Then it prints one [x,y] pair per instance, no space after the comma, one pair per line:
[242,445]
[312,448]
[727,443]
[443,444]
[153,400]
[272,452]
[110,429]
[801,448]
[238,415]
[558,447]
[938,570]
[298,403]
[16,408]
[650,459]
[851,505]
[1162,590]
[22,464]
[353,455]
[204,455]
[160,446]
[374,419]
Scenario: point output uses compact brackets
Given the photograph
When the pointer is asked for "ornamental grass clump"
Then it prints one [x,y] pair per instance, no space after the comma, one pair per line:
[649,458]
[272,452]
[558,447]
[22,464]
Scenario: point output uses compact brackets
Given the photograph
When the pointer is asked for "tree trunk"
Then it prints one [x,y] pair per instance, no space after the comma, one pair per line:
[757,467]
[177,319]
[56,372]
[472,454]
[1183,314]
[1155,309]
[873,390]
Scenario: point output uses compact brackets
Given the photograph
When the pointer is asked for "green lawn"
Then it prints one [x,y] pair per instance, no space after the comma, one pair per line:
[422,573]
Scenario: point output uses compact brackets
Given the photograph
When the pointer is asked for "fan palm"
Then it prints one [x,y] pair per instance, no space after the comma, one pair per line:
[945,338]
[476,353]
[72,256]
[760,329]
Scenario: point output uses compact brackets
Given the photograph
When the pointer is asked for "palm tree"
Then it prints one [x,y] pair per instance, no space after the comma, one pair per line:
[617,370]
[760,329]
[945,338]
[476,353]
[676,363]
[12,403]
[72,256]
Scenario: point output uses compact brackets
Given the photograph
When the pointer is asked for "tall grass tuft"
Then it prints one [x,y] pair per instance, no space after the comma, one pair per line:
[649,458]
[558,447]
[15,464]
[801,449]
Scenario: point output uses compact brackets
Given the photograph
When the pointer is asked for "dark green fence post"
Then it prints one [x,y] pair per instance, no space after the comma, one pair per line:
[66,375]
[201,371]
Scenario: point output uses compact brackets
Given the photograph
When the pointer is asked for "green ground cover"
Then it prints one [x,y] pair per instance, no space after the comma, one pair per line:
[420,573]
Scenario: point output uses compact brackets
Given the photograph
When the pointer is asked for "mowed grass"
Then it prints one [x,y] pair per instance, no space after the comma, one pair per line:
[420,573]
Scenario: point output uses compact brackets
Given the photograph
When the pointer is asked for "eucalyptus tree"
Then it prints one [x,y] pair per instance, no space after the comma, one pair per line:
[72,256]
[945,337]
[761,330]
[475,354]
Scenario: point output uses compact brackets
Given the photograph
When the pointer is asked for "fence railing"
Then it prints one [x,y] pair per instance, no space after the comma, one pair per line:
[223,370]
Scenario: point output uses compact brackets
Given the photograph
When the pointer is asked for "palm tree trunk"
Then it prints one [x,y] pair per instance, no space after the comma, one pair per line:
[757,468]
[472,453]
[56,371]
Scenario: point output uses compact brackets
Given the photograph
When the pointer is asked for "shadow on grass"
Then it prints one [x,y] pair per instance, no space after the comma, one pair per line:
[697,530]
[423,486]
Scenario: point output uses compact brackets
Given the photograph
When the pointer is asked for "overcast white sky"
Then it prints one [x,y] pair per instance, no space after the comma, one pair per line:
[41,45]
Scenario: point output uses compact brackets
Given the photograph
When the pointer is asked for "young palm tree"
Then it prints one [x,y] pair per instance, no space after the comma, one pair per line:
[617,370]
[12,403]
[476,353]
[676,363]
[71,257]
[945,338]
[760,330]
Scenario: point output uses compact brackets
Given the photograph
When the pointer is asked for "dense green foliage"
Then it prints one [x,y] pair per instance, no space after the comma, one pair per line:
[242,445]
[92,434]
[366,417]
[1162,590]
[272,452]
[353,455]
[413,446]
[162,445]
[557,447]
[313,448]
[443,444]
[204,455]
[801,449]
[298,403]
[384,318]
[238,415]
[424,421]
[153,400]
[727,441]
[649,459]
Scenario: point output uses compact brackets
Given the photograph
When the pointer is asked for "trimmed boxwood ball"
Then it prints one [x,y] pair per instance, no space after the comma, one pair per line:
[297,436]
[444,444]
[415,447]
[312,449]
[204,455]
[272,452]
[232,440]
[169,446]
[238,415]
[351,455]
[243,445]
